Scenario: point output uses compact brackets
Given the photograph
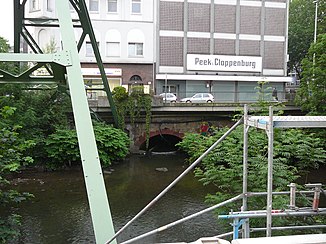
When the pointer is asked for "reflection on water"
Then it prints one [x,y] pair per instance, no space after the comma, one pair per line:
[59,213]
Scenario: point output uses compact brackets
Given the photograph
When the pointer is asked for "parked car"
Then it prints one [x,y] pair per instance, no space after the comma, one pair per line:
[199,98]
[170,97]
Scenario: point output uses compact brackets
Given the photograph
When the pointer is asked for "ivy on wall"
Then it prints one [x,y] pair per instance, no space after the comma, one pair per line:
[131,106]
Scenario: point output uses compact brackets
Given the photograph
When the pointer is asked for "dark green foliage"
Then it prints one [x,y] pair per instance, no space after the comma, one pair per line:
[294,151]
[311,95]
[301,30]
[62,146]
[38,112]
[12,151]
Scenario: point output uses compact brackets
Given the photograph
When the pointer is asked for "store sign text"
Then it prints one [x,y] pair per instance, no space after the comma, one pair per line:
[200,62]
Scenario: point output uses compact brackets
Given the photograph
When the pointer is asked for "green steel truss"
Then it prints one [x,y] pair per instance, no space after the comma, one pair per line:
[84,22]
[64,68]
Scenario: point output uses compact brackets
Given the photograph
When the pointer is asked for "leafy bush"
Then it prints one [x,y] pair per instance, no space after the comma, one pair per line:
[12,150]
[294,151]
[62,146]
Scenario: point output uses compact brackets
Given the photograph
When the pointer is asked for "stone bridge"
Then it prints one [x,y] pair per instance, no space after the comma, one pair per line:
[170,122]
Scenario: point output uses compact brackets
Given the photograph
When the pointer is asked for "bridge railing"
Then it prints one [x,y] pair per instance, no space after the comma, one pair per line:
[96,99]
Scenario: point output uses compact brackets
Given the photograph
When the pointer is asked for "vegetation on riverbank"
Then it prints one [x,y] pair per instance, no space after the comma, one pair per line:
[296,151]
[35,131]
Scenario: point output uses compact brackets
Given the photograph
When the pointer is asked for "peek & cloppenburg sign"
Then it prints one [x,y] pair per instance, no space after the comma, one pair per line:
[224,63]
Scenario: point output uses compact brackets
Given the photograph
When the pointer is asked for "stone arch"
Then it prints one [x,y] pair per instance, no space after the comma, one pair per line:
[160,140]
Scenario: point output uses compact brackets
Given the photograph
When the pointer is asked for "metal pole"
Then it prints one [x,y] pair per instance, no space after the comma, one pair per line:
[316,14]
[270,133]
[277,213]
[165,227]
[292,195]
[235,228]
[87,27]
[252,194]
[96,191]
[198,160]
[245,226]
[315,40]
[166,86]
[300,227]
[18,23]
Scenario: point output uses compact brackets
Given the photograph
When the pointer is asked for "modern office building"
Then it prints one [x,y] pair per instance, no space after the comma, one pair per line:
[125,34]
[222,46]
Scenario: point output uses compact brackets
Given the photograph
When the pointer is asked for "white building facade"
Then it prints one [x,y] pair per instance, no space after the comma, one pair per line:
[125,34]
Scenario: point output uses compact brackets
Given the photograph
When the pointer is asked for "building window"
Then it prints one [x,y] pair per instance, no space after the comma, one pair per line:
[112,6]
[136,79]
[93,5]
[113,49]
[136,6]
[135,49]
[34,5]
[89,49]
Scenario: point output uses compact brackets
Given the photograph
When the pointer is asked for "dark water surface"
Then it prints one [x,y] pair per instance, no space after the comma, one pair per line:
[59,213]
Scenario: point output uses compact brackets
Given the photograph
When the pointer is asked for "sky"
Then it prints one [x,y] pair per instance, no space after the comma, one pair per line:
[7,20]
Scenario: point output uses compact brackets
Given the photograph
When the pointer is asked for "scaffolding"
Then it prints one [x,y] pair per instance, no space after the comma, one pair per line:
[241,219]
[268,123]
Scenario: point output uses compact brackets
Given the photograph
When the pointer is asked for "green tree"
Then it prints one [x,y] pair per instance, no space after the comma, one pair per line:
[12,151]
[294,152]
[301,29]
[311,95]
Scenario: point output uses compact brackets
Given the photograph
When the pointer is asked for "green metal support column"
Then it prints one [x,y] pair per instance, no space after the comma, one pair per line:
[18,19]
[88,29]
[97,197]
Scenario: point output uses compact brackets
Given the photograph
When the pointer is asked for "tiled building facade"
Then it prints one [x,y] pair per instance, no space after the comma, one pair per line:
[191,31]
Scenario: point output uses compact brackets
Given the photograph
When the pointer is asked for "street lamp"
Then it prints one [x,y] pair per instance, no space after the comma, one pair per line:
[315,40]
[316,13]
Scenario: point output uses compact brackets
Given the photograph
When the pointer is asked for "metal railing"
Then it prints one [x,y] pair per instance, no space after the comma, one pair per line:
[98,98]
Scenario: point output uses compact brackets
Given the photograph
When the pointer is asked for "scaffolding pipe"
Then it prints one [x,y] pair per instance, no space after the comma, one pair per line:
[197,161]
[270,133]
[257,194]
[293,188]
[277,213]
[224,234]
[298,227]
[162,228]
[245,226]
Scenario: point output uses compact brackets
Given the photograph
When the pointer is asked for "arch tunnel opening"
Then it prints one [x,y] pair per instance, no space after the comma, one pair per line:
[162,143]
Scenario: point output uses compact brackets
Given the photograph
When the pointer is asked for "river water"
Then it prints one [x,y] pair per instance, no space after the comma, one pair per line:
[59,213]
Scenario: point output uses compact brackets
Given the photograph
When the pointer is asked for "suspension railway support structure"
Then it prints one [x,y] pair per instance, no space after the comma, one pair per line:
[64,70]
